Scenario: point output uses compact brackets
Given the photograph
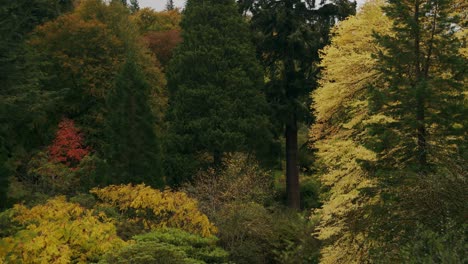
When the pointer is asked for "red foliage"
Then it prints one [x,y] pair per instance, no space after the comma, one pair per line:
[163,43]
[68,147]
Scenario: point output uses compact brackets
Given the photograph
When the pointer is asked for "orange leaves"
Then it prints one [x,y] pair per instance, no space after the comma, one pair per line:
[156,209]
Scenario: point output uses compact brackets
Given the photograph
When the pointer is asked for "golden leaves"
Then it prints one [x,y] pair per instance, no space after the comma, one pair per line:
[157,209]
[58,232]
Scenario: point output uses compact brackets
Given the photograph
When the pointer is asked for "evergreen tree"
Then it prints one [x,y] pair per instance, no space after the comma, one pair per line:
[216,104]
[24,117]
[424,84]
[290,35]
[422,149]
[170,5]
[132,152]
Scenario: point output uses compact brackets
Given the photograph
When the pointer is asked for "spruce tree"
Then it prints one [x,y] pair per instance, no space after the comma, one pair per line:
[216,103]
[133,152]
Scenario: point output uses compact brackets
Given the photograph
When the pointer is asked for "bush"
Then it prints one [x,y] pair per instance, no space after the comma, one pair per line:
[170,246]
[254,234]
[56,232]
[241,180]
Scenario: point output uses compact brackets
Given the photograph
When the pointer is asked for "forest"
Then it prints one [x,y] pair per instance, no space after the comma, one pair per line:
[233,131]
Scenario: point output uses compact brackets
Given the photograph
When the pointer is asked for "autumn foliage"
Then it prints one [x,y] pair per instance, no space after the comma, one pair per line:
[58,232]
[163,43]
[68,147]
[156,209]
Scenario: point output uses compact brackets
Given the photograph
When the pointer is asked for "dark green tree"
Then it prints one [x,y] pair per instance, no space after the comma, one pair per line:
[170,5]
[425,79]
[216,104]
[421,166]
[23,104]
[290,34]
[133,153]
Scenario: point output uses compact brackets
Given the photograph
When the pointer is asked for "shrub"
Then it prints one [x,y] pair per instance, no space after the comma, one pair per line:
[144,208]
[241,180]
[169,246]
[57,232]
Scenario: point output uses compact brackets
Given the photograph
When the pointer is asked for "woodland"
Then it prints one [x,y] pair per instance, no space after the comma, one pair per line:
[248,131]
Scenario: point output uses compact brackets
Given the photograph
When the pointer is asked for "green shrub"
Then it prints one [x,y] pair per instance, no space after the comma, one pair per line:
[169,246]
[254,234]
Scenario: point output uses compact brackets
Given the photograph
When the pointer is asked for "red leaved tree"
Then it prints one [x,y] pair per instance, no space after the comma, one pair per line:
[68,147]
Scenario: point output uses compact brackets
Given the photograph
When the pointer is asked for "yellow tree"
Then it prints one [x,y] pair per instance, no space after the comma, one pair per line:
[58,232]
[341,104]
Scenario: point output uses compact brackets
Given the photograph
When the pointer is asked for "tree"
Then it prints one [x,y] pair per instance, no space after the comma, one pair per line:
[170,5]
[133,150]
[340,134]
[422,151]
[290,34]
[24,106]
[148,20]
[423,46]
[216,107]
[162,44]
[68,146]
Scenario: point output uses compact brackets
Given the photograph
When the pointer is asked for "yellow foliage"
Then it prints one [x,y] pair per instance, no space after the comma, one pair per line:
[342,111]
[157,209]
[59,232]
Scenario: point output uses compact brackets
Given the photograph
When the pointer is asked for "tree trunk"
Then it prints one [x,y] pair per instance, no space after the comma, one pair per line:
[420,92]
[292,171]
[217,158]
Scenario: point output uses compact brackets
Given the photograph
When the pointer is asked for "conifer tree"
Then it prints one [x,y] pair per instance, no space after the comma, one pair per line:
[422,150]
[133,151]
[216,104]
[170,5]
[290,34]
[425,78]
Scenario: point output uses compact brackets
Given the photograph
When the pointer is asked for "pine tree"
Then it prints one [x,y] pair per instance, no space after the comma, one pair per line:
[290,35]
[216,104]
[133,151]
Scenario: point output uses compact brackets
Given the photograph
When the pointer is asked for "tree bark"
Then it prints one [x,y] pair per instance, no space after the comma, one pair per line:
[420,93]
[292,170]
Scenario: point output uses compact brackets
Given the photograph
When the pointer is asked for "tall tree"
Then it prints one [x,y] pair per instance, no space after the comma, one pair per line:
[290,35]
[23,104]
[340,134]
[423,149]
[133,151]
[216,104]
[422,46]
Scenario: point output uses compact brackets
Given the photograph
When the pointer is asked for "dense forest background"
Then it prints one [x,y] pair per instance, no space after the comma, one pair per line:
[254,131]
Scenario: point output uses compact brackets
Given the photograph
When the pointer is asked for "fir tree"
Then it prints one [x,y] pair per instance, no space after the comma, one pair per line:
[216,104]
[133,151]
